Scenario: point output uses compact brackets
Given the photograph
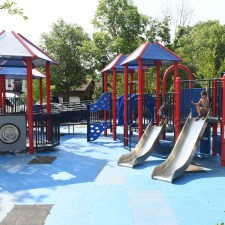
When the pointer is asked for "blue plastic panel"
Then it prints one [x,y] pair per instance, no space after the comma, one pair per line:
[149,102]
[104,103]
[97,128]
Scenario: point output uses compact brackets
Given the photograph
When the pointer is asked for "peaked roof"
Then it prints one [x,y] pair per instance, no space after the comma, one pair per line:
[19,73]
[14,48]
[150,53]
[84,87]
[116,64]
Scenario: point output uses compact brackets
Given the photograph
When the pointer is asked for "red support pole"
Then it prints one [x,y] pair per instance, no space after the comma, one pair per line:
[105,90]
[1,92]
[175,72]
[177,93]
[132,82]
[41,90]
[223,126]
[3,95]
[48,100]
[158,64]
[140,98]
[125,105]
[114,105]
[30,105]
[48,89]
[214,113]
[178,109]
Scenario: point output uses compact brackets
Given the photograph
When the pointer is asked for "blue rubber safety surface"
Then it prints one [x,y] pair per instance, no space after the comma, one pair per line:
[86,187]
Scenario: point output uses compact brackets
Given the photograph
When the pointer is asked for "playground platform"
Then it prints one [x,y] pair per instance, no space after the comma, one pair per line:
[81,183]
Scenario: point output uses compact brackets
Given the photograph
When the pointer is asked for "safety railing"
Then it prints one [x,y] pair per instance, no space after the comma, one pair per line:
[213,87]
[46,130]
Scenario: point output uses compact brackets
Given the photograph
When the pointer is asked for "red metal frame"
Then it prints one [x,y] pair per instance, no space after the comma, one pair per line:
[112,65]
[140,97]
[105,90]
[175,74]
[114,105]
[214,113]
[20,35]
[177,93]
[48,99]
[3,96]
[223,126]
[24,44]
[1,91]
[158,64]
[30,105]
[125,105]
[48,89]
[180,66]
[41,90]
[132,82]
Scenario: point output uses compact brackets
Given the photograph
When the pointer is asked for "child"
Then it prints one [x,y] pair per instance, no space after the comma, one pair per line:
[162,113]
[202,106]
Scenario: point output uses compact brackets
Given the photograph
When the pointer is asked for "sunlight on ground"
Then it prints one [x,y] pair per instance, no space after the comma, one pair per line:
[62,176]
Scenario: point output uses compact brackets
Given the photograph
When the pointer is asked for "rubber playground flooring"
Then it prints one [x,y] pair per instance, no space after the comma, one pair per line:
[84,186]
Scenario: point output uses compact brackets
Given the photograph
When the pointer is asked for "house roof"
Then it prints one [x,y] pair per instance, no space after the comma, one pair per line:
[84,86]
[14,48]
[150,53]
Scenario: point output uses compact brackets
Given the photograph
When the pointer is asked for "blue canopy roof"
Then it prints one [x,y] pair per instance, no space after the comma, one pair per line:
[115,64]
[150,53]
[14,48]
[19,73]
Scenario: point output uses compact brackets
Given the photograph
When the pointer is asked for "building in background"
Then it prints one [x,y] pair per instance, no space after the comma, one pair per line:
[15,85]
[82,93]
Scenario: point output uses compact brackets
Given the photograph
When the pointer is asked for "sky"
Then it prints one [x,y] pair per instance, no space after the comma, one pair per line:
[43,13]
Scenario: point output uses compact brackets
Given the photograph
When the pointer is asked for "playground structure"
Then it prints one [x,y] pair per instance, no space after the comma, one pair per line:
[42,124]
[96,112]
[183,151]
[178,108]
[42,128]
[144,147]
[152,54]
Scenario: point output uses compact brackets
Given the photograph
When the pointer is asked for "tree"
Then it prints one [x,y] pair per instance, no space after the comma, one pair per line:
[68,44]
[120,28]
[12,9]
[158,30]
[202,47]
[180,14]
[120,24]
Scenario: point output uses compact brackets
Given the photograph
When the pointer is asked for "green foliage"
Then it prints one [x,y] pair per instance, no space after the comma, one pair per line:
[202,48]
[120,28]
[12,9]
[36,90]
[120,24]
[72,48]
[97,93]
[159,30]
[119,84]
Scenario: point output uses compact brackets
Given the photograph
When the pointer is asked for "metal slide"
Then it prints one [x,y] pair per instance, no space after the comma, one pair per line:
[183,151]
[144,148]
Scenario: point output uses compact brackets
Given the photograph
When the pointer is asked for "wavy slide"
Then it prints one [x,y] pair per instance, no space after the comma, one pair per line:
[144,148]
[183,151]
